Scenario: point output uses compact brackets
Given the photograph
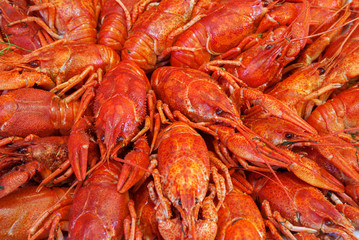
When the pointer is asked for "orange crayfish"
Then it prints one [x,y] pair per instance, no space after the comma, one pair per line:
[68,19]
[194,97]
[208,37]
[98,210]
[31,156]
[119,110]
[184,163]
[297,206]
[66,64]
[20,209]
[155,30]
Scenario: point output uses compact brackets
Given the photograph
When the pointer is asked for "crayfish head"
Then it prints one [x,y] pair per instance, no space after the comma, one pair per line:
[214,107]
[116,130]
[277,130]
[186,187]
[334,217]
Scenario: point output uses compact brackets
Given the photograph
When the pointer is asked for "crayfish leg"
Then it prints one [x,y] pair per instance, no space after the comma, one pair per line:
[40,23]
[131,230]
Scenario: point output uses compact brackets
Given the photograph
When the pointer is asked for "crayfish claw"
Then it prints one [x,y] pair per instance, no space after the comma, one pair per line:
[310,172]
[135,164]
[78,147]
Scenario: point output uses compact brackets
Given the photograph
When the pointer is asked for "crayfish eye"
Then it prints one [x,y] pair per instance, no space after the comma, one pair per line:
[119,139]
[102,138]
[22,150]
[321,70]
[34,63]
[196,201]
[219,111]
[265,4]
[269,46]
[179,202]
[24,25]
[289,135]
[329,222]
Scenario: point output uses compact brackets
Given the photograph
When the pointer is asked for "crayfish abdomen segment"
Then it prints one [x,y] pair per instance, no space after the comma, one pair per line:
[111,126]
[34,111]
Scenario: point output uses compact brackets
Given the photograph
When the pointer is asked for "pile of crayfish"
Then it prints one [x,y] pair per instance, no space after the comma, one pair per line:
[179,119]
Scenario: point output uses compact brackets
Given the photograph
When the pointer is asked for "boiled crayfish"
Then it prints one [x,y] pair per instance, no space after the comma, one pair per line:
[179,118]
